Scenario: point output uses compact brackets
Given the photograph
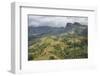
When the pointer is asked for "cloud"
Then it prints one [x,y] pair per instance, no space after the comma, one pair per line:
[54,21]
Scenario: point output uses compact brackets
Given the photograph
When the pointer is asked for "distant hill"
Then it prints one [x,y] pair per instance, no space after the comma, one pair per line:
[40,31]
[76,28]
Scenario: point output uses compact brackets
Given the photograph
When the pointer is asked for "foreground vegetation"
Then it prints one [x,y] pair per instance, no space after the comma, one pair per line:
[64,46]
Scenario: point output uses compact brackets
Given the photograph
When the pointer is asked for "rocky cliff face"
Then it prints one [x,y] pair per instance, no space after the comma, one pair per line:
[76,28]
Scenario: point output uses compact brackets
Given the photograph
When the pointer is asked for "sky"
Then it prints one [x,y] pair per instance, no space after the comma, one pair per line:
[54,21]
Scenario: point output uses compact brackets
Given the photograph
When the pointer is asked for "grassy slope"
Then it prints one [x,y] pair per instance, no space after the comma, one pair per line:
[62,47]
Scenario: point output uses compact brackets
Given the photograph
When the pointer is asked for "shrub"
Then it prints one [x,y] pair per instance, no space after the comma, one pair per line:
[51,57]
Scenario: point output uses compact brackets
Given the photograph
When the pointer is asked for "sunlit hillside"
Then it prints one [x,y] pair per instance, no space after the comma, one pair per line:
[64,46]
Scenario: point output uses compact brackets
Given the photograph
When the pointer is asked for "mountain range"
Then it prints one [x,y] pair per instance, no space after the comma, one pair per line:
[40,31]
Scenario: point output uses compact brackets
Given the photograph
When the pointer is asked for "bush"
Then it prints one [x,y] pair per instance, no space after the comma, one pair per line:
[30,57]
[51,57]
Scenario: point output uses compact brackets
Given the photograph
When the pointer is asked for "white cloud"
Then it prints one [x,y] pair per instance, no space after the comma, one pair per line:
[55,21]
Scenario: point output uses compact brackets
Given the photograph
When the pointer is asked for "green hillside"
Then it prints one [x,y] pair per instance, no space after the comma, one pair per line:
[64,46]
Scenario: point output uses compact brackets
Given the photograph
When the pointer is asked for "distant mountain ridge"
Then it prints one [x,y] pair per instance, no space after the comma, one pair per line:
[76,28]
[39,31]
